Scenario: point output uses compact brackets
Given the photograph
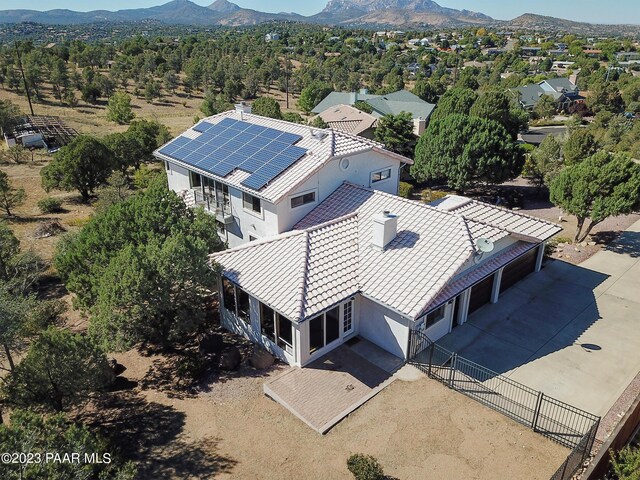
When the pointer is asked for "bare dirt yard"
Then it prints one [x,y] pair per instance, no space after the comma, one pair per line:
[230,429]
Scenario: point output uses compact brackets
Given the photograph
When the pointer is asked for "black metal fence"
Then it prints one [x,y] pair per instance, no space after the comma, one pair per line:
[559,421]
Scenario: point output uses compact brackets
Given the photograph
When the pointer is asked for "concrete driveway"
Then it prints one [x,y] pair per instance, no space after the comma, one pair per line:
[571,331]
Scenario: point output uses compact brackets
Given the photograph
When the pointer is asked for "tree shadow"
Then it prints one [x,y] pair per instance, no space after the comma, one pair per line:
[151,435]
[51,287]
[625,242]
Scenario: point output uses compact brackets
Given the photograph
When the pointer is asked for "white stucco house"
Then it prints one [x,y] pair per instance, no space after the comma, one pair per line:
[227,170]
[365,262]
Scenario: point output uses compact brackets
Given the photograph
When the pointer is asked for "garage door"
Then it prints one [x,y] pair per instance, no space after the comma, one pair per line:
[518,269]
[480,294]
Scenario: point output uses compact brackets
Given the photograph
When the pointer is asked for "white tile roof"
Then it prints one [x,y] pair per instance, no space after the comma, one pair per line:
[509,220]
[299,273]
[319,152]
[328,256]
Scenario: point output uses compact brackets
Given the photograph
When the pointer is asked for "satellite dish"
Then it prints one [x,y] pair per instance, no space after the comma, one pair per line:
[484,245]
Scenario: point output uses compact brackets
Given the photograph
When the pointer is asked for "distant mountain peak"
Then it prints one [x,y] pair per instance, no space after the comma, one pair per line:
[223,6]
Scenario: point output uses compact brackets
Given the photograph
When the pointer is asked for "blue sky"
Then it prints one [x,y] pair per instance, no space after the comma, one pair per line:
[600,11]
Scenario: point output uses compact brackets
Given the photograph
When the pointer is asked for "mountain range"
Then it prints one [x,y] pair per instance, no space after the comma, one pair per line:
[337,12]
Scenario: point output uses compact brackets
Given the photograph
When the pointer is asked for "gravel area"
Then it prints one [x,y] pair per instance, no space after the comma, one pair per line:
[610,421]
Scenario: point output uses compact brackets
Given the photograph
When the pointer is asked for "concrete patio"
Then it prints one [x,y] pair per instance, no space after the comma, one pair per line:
[330,388]
[572,331]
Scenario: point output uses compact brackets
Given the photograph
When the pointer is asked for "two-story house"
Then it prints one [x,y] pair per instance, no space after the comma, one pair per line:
[260,176]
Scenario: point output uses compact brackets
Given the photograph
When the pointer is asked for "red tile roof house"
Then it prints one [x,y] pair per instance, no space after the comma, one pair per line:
[365,262]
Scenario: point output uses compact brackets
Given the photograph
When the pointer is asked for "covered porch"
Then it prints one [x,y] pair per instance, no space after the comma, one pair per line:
[328,389]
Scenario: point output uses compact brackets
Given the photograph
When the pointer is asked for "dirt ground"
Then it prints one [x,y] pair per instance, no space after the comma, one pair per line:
[417,430]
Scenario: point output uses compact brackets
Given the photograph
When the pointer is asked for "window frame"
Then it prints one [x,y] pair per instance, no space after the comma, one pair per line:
[380,172]
[438,315]
[303,196]
[246,319]
[347,322]
[263,330]
[252,204]
[193,176]
[323,319]
[226,282]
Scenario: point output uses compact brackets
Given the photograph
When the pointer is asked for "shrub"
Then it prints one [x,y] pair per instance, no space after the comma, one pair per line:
[429,195]
[144,176]
[50,205]
[626,463]
[405,190]
[364,467]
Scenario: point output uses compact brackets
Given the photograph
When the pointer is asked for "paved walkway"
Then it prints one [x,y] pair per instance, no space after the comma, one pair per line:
[572,331]
[330,388]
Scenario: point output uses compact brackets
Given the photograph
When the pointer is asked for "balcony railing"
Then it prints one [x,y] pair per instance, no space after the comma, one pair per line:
[219,207]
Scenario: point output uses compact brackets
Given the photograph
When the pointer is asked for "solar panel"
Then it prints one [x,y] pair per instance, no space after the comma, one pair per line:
[169,149]
[293,152]
[255,182]
[203,127]
[223,169]
[226,122]
[255,129]
[289,138]
[270,133]
[229,144]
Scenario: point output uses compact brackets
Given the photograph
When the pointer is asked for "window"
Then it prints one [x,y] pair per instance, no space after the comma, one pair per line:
[303,199]
[222,196]
[316,333]
[267,326]
[195,180]
[242,299]
[380,175]
[324,329]
[347,317]
[168,165]
[228,295]
[251,203]
[434,317]
[285,333]
[221,228]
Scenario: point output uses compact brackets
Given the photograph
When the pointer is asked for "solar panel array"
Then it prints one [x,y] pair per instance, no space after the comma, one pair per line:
[222,147]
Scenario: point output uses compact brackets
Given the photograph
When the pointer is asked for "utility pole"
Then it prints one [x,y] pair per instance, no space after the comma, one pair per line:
[24,78]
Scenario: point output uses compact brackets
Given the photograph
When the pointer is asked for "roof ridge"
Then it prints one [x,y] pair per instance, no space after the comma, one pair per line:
[516,212]
[364,141]
[260,241]
[305,276]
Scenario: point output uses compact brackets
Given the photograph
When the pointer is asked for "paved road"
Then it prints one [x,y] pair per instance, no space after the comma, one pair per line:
[571,331]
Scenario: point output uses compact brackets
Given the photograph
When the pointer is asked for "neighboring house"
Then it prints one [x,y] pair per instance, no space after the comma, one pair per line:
[271,37]
[260,176]
[390,103]
[561,89]
[370,264]
[350,120]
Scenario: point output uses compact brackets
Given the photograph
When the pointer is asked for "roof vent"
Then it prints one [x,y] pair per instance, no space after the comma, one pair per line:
[318,134]
[385,229]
